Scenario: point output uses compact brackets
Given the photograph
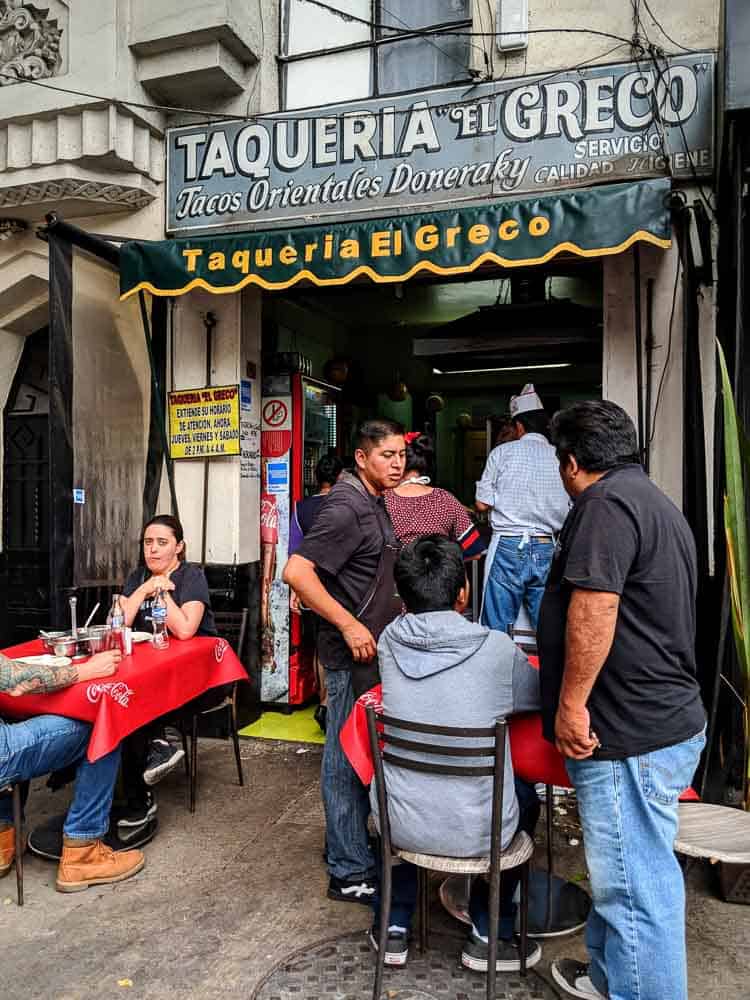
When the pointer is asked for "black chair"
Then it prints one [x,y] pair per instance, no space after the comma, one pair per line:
[232,626]
[15,791]
[517,854]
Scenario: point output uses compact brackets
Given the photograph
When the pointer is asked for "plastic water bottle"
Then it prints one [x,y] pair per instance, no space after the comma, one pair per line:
[159,622]
[116,622]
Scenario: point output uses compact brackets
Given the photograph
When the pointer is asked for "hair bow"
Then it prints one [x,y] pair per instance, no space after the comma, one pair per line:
[411,436]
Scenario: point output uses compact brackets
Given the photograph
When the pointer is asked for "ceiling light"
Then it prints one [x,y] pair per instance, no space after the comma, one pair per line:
[507,368]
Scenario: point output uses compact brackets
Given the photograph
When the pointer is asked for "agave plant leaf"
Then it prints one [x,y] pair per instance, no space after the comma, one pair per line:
[737,462]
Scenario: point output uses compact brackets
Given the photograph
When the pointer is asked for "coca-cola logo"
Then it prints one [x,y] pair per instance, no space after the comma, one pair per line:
[269,514]
[371,699]
[220,649]
[118,691]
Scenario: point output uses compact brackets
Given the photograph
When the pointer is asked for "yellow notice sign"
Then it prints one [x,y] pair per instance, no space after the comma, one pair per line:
[205,422]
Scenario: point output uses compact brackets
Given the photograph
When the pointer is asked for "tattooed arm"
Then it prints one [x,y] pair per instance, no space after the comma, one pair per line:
[18,678]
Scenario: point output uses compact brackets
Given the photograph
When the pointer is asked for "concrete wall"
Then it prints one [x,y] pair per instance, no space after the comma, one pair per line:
[233,503]
[692,23]
[51,140]
[619,381]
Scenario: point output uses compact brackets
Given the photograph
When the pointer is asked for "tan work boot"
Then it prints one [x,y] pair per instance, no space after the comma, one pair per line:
[7,850]
[95,864]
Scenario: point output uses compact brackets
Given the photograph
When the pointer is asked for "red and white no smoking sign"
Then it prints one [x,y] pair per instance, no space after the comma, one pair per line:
[276,436]
[275,414]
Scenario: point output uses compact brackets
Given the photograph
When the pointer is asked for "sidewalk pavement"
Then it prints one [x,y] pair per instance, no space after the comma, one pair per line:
[228,893]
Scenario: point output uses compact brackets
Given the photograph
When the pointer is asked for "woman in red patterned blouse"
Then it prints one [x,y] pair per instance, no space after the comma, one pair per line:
[417,508]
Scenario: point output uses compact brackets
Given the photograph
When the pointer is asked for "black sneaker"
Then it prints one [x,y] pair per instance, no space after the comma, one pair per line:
[162,758]
[474,954]
[573,978]
[396,948]
[321,716]
[138,814]
[352,890]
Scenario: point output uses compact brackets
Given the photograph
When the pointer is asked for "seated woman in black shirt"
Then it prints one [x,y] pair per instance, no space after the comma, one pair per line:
[147,754]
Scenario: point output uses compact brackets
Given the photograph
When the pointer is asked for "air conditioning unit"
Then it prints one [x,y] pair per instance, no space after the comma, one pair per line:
[512,24]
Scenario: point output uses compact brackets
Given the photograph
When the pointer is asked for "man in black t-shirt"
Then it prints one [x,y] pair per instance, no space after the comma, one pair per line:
[343,571]
[621,701]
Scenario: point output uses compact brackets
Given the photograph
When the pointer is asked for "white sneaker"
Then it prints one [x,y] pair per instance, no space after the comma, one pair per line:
[573,978]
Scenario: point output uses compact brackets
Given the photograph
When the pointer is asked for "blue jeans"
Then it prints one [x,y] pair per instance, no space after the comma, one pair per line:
[635,933]
[518,574]
[345,799]
[404,883]
[48,743]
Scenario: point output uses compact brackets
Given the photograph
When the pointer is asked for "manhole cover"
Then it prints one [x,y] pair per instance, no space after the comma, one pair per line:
[343,969]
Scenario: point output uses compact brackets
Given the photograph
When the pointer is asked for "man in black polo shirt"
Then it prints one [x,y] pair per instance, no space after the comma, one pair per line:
[343,571]
[621,701]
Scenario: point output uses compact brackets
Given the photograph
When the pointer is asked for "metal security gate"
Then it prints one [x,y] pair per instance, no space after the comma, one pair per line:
[26,496]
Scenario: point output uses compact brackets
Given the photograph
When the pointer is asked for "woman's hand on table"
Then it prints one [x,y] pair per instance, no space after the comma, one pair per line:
[100,665]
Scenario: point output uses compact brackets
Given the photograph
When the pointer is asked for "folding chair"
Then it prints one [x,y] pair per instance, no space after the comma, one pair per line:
[232,626]
[517,854]
[15,791]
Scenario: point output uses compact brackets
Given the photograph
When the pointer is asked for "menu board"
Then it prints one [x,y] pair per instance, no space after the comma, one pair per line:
[204,423]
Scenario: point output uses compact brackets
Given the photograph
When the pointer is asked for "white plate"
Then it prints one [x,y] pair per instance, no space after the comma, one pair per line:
[46,660]
[141,636]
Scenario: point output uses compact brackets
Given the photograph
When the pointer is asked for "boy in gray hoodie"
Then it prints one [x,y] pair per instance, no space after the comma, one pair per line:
[436,667]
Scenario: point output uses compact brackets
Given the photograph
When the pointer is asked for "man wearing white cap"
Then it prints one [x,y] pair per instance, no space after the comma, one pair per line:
[521,487]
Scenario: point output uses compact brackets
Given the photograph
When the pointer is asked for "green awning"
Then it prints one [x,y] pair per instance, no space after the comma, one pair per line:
[589,222]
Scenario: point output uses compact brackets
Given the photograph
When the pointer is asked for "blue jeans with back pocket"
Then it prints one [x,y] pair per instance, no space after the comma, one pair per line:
[635,933]
[517,576]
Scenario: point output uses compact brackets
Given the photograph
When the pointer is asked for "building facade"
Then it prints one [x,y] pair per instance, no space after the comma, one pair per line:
[263,120]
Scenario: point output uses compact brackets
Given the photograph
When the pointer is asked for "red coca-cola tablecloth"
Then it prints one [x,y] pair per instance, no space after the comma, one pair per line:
[148,683]
[534,759]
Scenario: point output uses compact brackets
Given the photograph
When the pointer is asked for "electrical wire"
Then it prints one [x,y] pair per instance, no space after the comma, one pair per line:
[653,52]
[279,117]
[487,59]
[661,29]
[443,52]
[637,23]
[678,272]
[119,101]
[256,78]
[442,29]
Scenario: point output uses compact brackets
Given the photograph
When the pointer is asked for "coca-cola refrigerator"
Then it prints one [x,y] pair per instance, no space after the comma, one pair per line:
[299,426]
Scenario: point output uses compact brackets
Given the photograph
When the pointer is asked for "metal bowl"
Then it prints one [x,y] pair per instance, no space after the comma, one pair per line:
[48,639]
[66,645]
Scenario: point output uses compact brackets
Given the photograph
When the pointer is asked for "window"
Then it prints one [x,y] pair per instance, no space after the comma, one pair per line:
[327,57]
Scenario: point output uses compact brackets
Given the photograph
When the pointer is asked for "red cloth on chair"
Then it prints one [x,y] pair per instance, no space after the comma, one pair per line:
[534,759]
[148,683]
[354,738]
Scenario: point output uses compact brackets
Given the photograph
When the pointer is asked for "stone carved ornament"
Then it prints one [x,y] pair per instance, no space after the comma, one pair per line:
[29,43]
[54,191]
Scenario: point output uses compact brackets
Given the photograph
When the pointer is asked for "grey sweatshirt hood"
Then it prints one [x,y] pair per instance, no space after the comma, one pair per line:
[426,644]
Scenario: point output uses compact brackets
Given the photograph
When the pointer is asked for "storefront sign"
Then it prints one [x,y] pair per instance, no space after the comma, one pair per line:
[589,222]
[204,423]
[505,137]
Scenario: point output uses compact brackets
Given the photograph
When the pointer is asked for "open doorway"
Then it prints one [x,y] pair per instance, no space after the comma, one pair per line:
[26,495]
[446,356]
